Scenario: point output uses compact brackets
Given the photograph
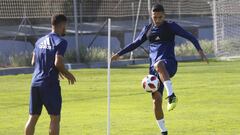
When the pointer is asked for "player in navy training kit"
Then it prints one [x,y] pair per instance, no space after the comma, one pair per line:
[161,35]
[45,89]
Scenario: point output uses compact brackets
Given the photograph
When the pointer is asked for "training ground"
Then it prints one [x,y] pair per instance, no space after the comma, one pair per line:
[208,95]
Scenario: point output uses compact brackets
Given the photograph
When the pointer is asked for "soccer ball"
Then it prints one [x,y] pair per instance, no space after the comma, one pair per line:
[150,83]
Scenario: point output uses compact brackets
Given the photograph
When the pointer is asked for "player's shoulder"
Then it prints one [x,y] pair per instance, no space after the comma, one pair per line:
[57,39]
[173,25]
[147,27]
[170,22]
[40,40]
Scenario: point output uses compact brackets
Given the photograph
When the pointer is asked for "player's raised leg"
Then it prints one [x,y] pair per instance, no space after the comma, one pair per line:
[54,125]
[30,125]
[165,78]
[157,108]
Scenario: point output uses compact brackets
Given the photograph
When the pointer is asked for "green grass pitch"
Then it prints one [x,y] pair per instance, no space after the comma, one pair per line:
[209,102]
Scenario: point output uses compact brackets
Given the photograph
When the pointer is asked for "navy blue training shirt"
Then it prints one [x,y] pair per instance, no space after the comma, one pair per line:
[46,48]
[162,41]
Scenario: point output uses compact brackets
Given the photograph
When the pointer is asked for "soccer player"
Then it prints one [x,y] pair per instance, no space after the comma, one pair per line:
[45,89]
[161,34]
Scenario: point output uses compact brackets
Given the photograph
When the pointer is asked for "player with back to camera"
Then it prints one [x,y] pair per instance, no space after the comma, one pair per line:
[45,89]
[161,35]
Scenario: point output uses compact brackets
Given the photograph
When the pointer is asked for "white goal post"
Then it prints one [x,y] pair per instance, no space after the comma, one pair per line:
[226,22]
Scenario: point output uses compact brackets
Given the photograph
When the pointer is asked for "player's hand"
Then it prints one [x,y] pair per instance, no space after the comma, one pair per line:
[203,56]
[115,57]
[61,75]
[71,79]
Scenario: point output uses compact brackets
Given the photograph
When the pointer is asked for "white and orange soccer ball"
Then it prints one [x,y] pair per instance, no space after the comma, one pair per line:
[150,83]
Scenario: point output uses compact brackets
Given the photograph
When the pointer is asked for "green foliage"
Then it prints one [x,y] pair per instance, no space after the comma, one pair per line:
[2,60]
[21,59]
[229,47]
[187,49]
[70,56]
[86,55]
[99,54]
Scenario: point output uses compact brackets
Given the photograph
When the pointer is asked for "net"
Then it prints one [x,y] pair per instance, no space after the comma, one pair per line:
[226,28]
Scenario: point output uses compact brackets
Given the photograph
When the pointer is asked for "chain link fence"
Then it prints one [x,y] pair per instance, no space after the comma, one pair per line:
[22,22]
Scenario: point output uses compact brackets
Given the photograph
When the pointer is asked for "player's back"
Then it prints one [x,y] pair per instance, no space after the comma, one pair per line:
[45,72]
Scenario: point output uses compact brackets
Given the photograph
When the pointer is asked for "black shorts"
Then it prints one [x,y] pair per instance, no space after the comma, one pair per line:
[49,96]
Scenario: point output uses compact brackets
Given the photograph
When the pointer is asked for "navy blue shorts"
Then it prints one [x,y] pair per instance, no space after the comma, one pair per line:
[49,96]
[171,66]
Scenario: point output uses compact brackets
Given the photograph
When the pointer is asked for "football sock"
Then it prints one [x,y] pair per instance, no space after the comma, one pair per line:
[168,86]
[161,125]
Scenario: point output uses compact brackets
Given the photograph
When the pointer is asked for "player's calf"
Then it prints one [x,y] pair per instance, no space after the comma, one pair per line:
[54,125]
[30,125]
[157,105]
[164,76]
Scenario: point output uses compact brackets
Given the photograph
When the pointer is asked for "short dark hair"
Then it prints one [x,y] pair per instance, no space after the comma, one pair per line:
[157,8]
[58,18]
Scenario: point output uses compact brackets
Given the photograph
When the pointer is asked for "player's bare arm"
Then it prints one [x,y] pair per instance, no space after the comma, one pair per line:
[63,71]
[33,58]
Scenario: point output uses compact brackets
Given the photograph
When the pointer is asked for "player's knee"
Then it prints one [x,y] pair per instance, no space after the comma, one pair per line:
[55,119]
[157,100]
[158,66]
[33,119]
